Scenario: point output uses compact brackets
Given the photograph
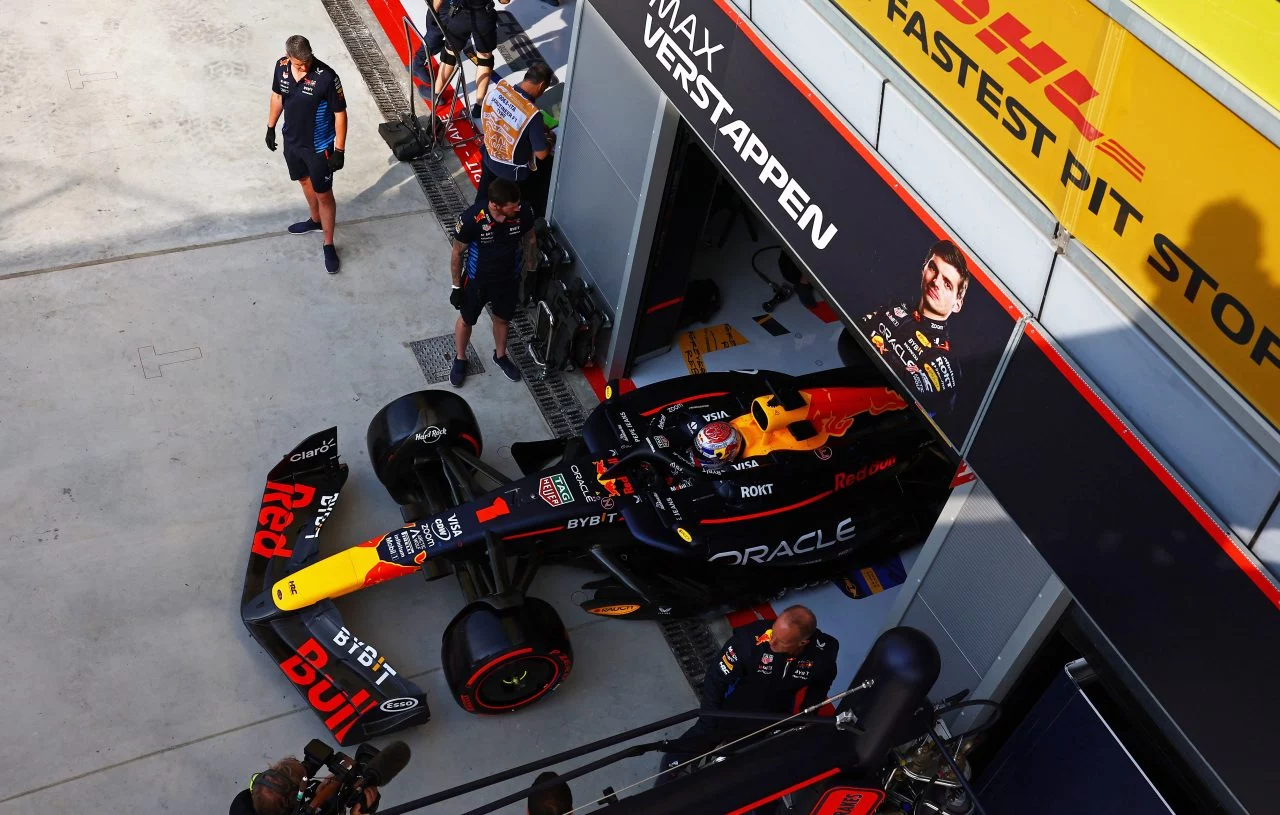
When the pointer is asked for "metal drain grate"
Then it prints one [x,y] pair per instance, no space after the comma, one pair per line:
[435,358]
[559,406]
[694,647]
[691,641]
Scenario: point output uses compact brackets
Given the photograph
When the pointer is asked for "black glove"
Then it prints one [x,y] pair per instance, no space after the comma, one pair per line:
[336,158]
[271,139]
[455,297]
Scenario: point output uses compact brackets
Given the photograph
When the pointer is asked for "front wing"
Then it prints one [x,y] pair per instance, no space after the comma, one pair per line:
[346,680]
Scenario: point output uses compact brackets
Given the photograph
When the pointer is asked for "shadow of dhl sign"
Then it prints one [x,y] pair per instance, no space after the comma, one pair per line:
[1174,192]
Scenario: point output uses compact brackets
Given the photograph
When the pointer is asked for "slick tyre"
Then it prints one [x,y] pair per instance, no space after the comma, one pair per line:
[498,661]
[405,439]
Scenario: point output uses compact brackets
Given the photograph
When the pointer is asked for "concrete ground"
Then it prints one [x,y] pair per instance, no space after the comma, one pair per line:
[162,343]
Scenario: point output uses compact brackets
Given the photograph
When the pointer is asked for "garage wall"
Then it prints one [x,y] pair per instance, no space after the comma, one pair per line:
[844,80]
[1229,471]
[610,109]
[984,633]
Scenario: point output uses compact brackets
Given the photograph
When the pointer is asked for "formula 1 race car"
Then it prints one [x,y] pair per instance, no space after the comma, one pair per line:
[703,492]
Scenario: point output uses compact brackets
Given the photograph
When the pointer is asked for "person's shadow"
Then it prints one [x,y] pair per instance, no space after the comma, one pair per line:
[1226,242]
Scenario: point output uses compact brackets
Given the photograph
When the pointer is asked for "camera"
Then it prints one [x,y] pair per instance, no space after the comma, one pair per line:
[350,776]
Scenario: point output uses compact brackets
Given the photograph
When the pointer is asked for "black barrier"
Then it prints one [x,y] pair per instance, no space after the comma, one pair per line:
[630,752]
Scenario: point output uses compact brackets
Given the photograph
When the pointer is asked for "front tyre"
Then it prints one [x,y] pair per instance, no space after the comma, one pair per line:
[500,660]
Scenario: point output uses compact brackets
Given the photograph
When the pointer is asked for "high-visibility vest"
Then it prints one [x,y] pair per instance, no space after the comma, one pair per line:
[503,117]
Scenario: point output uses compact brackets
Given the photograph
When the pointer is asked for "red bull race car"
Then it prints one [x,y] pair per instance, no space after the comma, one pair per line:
[704,492]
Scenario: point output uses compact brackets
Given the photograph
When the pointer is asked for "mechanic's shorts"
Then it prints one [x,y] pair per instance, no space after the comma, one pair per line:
[481,25]
[502,294]
[309,164]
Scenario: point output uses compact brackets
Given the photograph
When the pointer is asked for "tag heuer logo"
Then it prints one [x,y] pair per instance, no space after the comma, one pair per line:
[554,490]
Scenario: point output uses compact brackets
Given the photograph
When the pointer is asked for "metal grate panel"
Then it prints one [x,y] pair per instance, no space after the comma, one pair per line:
[984,579]
[435,358]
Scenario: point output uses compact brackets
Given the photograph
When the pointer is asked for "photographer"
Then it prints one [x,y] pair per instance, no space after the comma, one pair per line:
[274,791]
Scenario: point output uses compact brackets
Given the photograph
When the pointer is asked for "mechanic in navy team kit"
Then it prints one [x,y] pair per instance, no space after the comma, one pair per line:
[516,137]
[781,666]
[274,792]
[493,244]
[309,94]
[475,20]
[913,338]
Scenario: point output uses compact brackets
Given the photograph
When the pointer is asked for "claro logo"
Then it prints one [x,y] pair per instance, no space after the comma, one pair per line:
[324,448]
[806,544]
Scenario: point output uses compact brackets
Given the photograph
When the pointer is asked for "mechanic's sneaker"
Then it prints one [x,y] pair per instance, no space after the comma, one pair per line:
[458,372]
[508,367]
[303,227]
[331,262]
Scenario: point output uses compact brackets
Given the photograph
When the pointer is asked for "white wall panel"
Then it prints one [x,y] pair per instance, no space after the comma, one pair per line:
[1006,242]
[1267,548]
[745,5]
[825,59]
[1207,449]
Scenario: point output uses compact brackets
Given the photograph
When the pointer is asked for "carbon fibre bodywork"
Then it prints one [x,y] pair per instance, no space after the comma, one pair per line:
[837,473]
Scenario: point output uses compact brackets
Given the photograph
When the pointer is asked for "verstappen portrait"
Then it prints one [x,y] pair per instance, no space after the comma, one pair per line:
[703,492]
[912,337]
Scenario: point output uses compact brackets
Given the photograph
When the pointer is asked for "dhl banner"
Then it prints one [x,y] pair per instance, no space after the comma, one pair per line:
[1239,36]
[1173,191]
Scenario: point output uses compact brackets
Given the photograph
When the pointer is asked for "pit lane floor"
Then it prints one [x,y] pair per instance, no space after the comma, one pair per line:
[162,343]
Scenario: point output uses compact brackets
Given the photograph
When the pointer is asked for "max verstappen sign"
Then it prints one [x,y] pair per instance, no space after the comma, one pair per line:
[840,211]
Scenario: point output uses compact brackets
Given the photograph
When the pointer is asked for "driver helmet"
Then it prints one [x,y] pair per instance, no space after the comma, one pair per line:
[717,445]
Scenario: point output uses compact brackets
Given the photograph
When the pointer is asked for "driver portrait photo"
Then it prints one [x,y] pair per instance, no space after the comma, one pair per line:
[911,335]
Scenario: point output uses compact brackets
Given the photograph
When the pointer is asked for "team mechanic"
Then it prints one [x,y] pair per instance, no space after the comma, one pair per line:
[914,339]
[475,19]
[516,136]
[496,236]
[779,667]
[309,94]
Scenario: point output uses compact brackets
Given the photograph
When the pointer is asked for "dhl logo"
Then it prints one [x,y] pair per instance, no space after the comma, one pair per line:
[1065,86]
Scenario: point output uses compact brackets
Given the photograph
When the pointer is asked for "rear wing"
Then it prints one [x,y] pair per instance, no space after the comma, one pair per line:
[346,680]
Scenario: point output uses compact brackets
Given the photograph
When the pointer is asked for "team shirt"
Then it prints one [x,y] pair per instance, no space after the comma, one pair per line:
[495,247]
[309,105]
[918,349]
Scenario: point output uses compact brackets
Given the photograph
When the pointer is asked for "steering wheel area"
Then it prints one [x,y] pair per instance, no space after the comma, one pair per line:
[629,465]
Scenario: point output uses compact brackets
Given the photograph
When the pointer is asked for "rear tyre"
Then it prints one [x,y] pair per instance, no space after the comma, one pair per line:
[498,661]
[404,442]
